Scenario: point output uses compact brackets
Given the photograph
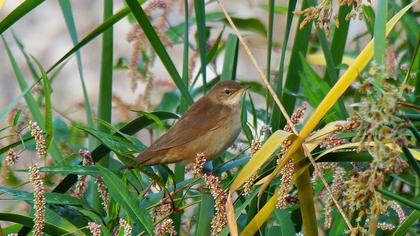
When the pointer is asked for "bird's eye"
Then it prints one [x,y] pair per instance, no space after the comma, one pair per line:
[227,91]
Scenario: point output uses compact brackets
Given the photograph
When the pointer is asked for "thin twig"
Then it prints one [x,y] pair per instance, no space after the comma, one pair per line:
[283,110]
[327,187]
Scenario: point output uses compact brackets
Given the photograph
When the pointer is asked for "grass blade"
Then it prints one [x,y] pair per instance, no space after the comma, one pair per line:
[380,31]
[48,104]
[403,228]
[400,199]
[105,83]
[52,229]
[231,58]
[200,13]
[271,6]
[204,215]
[339,40]
[20,11]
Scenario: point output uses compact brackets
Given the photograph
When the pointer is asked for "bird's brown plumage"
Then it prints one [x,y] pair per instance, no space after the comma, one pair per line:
[210,125]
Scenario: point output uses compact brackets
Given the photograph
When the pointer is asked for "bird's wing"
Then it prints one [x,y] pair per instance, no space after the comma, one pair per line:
[190,126]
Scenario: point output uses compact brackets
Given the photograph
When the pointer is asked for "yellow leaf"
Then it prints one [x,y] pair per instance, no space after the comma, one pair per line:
[261,217]
[319,59]
[2,3]
[415,153]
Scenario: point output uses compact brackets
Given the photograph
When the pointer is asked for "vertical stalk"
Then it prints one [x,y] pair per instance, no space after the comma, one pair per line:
[379,31]
[271,6]
[105,84]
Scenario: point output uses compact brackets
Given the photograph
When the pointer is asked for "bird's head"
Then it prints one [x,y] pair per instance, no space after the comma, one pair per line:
[227,92]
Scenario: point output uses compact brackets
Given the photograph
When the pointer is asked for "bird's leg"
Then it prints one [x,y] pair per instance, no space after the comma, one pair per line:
[148,188]
[208,168]
[171,201]
[207,171]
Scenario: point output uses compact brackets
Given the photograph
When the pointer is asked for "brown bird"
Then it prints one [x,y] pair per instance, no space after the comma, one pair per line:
[210,126]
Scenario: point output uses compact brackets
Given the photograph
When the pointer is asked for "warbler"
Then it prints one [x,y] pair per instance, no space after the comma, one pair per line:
[209,126]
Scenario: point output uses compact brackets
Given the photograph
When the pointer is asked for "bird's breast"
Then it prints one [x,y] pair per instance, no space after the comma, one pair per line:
[217,141]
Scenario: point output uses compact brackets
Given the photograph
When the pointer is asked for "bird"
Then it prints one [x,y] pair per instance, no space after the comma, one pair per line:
[209,126]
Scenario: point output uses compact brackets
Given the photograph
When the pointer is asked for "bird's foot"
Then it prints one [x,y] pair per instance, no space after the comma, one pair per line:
[207,171]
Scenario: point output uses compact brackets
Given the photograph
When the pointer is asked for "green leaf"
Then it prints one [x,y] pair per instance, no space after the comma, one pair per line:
[127,200]
[48,105]
[20,11]
[205,212]
[284,220]
[26,55]
[17,117]
[79,170]
[157,45]
[231,58]
[379,31]
[339,41]
[400,199]
[15,144]
[244,121]
[369,16]
[50,198]
[153,117]
[116,143]
[408,222]
[183,106]
[200,13]
[269,98]
[105,82]
[51,228]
